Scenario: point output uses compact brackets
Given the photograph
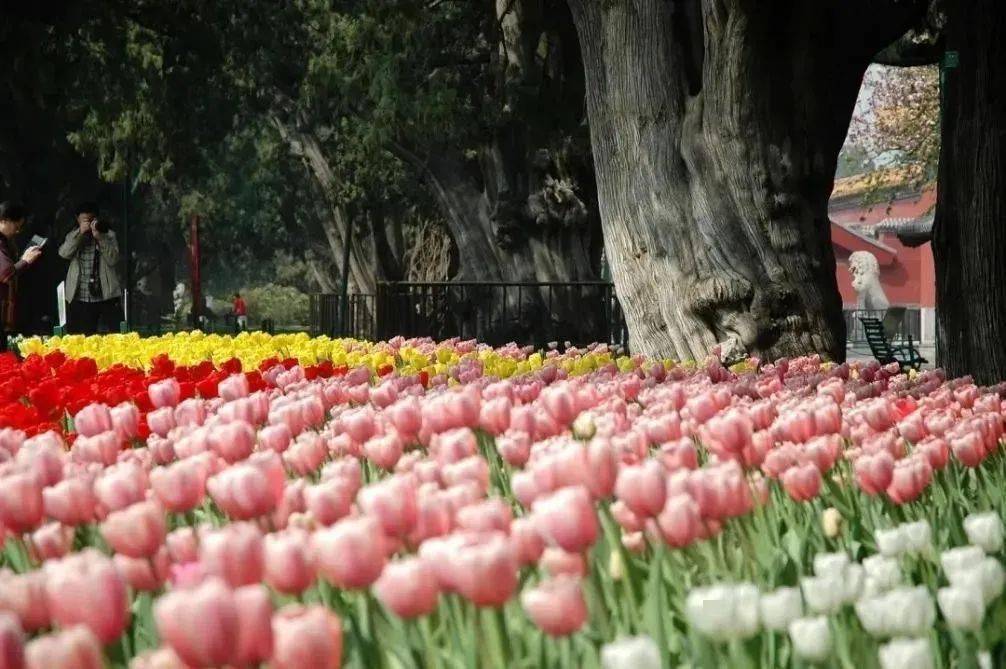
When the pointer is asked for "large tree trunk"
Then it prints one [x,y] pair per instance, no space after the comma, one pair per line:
[716,127]
[969,233]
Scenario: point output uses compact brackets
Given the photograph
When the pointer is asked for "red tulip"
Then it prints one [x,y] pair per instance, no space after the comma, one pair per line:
[86,589]
[306,637]
[408,588]
[234,553]
[74,648]
[556,605]
[351,553]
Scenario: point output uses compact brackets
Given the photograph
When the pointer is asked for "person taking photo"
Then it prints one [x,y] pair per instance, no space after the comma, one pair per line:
[93,292]
[12,218]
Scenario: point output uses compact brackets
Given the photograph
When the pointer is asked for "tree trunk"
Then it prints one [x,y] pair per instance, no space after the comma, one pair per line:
[716,127]
[969,233]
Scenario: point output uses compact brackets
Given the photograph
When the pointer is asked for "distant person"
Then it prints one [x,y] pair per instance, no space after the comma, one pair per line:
[92,282]
[240,312]
[12,218]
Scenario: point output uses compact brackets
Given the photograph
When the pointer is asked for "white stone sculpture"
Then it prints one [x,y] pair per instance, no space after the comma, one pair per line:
[866,281]
[179,296]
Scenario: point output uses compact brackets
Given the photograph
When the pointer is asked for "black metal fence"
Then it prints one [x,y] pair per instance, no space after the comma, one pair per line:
[536,313]
[899,324]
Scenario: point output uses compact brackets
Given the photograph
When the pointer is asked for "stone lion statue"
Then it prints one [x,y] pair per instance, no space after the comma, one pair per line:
[866,281]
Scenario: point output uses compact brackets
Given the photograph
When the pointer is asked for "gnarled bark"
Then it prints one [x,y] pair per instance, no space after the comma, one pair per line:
[716,127]
[969,233]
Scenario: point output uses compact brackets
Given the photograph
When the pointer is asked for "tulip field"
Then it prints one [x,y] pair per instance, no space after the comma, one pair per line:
[207,501]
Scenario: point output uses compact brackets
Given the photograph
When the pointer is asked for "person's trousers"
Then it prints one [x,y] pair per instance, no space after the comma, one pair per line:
[90,318]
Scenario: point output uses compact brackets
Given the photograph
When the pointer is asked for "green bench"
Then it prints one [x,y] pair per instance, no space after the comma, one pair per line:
[903,353]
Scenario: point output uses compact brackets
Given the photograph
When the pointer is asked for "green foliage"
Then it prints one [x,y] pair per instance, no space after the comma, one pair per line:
[283,304]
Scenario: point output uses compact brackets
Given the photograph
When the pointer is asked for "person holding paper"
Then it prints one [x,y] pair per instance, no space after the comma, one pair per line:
[12,218]
[92,282]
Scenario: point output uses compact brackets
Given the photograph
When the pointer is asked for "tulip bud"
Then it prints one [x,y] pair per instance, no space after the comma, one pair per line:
[831,522]
[811,638]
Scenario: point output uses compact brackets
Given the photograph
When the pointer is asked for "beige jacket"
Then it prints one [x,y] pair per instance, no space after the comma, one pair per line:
[107,273]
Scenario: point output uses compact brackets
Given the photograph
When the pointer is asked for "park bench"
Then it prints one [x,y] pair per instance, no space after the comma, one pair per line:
[904,353]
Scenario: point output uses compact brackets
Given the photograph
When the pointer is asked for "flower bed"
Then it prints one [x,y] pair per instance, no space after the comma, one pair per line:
[208,501]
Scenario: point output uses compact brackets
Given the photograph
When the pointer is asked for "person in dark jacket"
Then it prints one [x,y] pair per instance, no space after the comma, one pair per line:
[92,282]
[12,218]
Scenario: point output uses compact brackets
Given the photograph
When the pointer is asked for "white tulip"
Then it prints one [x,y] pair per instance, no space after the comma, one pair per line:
[780,607]
[884,572]
[823,594]
[904,611]
[906,654]
[872,588]
[961,559]
[918,536]
[811,638]
[987,577]
[852,582]
[892,542]
[724,612]
[963,608]
[637,652]
[984,660]
[830,564]
[985,530]
[871,612]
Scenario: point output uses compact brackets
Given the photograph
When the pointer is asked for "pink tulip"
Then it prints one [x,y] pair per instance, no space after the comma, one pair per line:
[233,441]
[524,487]
[802,482]
[392,502]
[494,417]
[254,640]
[200,624]
[408,588]
[92,420]
[136,531]
[187,575]
[270,463]
[729,434]
[306,637]
[242,491]
[679,454]
[878,415]
[874,472]
[330,501]
[566,518]
[968,449]
[233,387]
[11,440]
[161,421]
[434,517]
[556,606]
[165,393]
[102,448]
[462,407]
[384,450]
[405,415]
[44,456]
[485,572]
[558,562]
[180,487]
[796,426]
[52,541]
[234,553]
[351,553]
[827,417]
[24,596]
[624,516]
[182,545]
[144,574]
[935,450]
[288,563]
[527,542]
[680,522]
[306,454]
[74,648]
[86,589]
[602,469]
[191,412]
[162,658]
[473,469]
[126,421]
[514,447]
[243,410]
[275,437]
[453,445]
[21,507]
[486,516]
[358,424]
[560,403]
[11,642]
[643,488]
[911,477]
